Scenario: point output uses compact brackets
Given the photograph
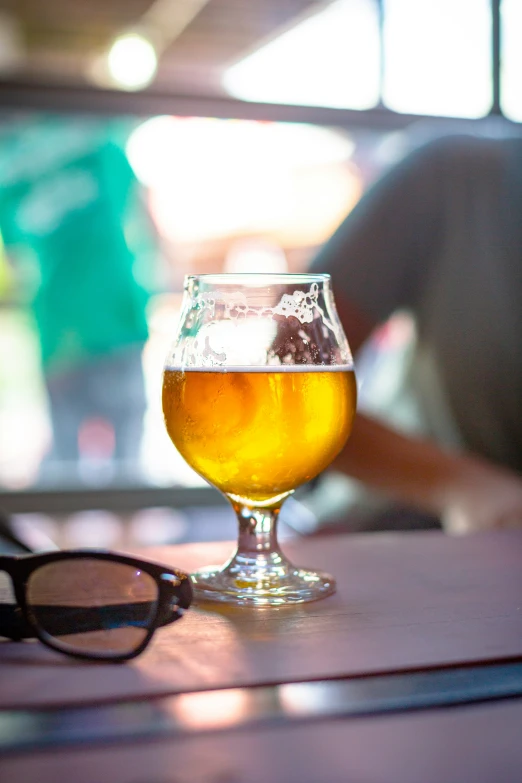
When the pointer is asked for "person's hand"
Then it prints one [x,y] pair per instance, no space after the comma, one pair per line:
[467,493]
[487,498]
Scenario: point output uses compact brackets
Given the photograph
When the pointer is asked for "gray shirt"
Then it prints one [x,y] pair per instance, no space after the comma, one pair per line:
[440,235]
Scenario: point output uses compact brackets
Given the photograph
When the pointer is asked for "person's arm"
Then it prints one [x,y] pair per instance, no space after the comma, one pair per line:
[467,493]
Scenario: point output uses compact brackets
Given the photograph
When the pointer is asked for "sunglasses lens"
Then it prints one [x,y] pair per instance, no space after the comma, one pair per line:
[93,606]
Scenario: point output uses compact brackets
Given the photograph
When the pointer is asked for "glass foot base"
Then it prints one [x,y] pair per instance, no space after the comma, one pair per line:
[244,587]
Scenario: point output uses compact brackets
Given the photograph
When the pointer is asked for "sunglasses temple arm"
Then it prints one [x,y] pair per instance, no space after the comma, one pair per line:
[181,599]
[13,624]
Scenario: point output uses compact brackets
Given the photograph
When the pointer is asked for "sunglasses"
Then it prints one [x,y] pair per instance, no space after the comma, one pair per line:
[91,604]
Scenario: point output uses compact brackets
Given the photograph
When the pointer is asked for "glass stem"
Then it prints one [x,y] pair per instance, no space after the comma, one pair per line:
[258,554]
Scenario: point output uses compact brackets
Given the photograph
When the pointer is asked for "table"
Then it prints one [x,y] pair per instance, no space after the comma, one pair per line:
[411,608]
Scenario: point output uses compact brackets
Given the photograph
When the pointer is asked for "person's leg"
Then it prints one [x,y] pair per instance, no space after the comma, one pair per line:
[118,388]
[67,408]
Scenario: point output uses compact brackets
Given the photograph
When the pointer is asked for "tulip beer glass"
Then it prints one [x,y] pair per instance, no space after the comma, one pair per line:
[259,396]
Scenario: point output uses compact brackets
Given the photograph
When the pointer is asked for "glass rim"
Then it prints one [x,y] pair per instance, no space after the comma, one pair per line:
[221,278]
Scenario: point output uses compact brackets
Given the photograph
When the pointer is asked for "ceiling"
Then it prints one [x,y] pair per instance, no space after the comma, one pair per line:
[48,49]
[59,40]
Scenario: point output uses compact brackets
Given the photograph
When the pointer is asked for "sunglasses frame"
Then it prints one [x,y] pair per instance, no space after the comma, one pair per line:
[174,595]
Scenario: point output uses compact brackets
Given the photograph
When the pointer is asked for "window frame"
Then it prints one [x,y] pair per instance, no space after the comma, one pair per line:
[86,99]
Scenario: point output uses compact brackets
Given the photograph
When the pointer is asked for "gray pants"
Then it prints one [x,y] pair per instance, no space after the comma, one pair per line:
[110,389]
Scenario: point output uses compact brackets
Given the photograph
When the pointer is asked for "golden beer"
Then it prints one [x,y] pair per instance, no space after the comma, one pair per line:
[258,434]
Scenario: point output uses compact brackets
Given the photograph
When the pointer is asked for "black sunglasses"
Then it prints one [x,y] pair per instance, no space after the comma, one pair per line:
[91,604]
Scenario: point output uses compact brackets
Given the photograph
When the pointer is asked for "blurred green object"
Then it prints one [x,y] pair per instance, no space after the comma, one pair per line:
[67,193]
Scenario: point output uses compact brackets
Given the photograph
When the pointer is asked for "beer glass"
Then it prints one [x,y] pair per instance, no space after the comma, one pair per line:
[259,396]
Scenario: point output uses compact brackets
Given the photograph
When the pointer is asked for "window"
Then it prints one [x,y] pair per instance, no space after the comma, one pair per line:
[329,59]
[438,57]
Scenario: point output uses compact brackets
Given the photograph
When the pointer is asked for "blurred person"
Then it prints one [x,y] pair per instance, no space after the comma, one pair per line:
[69,202]
[440,236]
